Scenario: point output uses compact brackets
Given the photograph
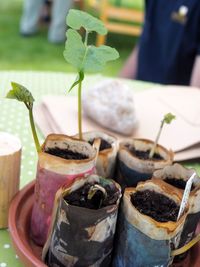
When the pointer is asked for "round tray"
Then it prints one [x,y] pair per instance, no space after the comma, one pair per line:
[28,252]
[19,226]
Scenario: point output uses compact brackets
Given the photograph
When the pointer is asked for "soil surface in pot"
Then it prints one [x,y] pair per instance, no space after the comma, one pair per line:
[155,205]
[80,197]
[65,153]
[104,144]
[143,154]
[178,183]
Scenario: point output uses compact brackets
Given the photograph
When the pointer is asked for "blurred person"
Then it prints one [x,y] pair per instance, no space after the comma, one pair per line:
[57,28]
[46,12]
[168,51]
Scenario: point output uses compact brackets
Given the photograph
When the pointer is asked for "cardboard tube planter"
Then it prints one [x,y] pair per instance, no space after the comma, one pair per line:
[82,236]
[177,176]
[54,171]
[106,160]
[133,169]
[141,240]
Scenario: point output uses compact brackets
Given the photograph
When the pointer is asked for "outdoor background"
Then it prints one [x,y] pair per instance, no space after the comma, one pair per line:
[36,53]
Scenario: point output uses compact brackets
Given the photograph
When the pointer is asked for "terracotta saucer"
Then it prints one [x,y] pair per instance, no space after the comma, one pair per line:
[19,226]
[28,252]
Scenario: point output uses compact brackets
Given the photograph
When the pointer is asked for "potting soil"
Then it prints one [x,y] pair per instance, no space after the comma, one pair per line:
[155,205]
[65,153]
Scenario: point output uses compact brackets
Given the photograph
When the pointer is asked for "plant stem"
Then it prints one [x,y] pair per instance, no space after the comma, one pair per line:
[86,38]
[35,137]
[156,141]
[80,98]
[80,110]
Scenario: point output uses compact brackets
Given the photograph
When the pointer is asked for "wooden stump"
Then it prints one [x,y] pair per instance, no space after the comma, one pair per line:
[10,159]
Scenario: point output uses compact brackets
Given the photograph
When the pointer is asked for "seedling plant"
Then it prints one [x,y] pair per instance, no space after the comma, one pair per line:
[167,119]
[83,56]
[22,94]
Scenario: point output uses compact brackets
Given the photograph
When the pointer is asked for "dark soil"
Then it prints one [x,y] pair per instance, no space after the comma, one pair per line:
[104,144]
[65,153]
[178,183]
[79,198]
[143,154]
[155,205]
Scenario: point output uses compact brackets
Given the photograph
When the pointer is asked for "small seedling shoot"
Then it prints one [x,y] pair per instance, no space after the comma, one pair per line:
[167,119]
[83,56]
[20,93]
[94,189]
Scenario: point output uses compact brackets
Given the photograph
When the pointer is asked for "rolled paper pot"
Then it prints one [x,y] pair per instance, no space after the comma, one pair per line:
[52,173]
[178,172]
[132,169]
[141,240]
[80,236]
[106,160]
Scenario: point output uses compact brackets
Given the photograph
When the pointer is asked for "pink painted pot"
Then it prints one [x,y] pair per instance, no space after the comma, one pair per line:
[52,173]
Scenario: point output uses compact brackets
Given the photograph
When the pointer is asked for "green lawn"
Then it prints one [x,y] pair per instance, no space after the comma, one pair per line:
[35,53]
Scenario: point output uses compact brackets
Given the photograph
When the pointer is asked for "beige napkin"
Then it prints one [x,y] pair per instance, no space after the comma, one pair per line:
[58,114]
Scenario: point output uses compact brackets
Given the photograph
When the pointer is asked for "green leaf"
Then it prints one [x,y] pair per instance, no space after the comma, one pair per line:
[168,118]
[79,79]
[97,57]
[20,93]
[77,19]
[87,58]
[74,49]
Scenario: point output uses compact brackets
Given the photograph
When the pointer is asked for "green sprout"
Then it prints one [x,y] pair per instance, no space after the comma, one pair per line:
[167,119]
[83,56]
[20,93]
[94,189]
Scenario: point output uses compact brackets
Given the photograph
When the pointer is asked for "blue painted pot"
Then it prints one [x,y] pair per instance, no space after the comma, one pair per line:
[142,241]
[178,172]
[132,169]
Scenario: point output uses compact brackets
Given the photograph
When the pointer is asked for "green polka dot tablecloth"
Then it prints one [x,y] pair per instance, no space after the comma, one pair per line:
[14,119]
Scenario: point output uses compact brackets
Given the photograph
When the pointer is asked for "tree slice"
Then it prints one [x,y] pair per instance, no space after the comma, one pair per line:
[10,159]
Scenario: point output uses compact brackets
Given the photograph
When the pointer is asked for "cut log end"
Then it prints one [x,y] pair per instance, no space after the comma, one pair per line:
[10,159]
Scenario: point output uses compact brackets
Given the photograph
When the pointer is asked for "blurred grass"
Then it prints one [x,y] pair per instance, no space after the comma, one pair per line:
[36,53]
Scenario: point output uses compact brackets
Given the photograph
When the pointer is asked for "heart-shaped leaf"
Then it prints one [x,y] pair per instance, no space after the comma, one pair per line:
[74,49]
[97,57]
[87,58]
[77,19]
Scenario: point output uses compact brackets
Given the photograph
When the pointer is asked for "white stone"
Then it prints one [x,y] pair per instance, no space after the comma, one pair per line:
[110,103]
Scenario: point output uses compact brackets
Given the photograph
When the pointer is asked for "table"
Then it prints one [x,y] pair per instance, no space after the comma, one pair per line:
[14,119]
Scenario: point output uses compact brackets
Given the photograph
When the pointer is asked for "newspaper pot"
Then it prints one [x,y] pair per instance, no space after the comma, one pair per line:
[106,160]
[177,176]
[148,241]
[54,171]
[133,169]
[82,236]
